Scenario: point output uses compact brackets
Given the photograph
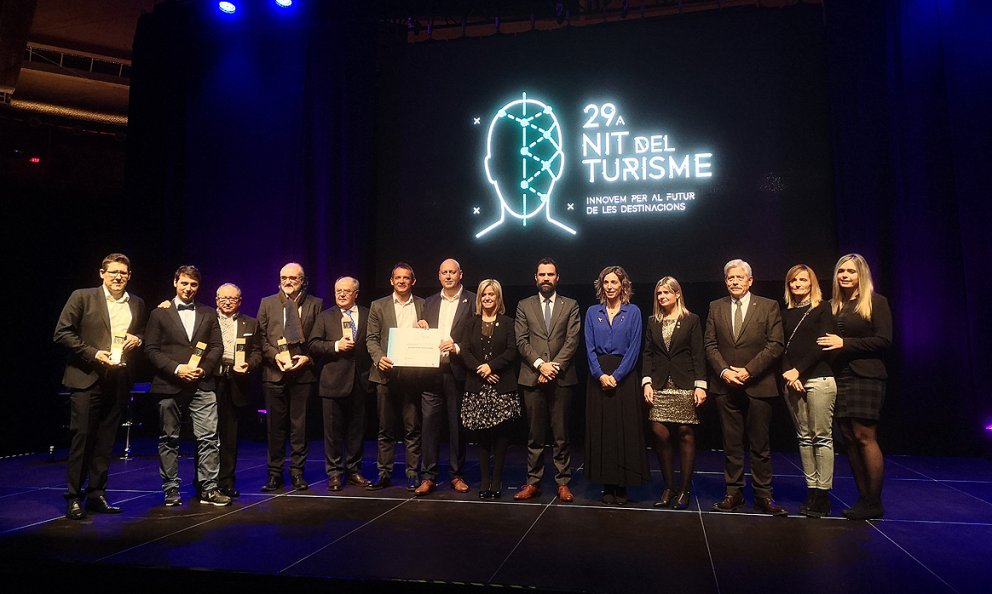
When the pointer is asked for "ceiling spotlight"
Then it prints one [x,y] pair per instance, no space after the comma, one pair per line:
[227,7]
[284,3]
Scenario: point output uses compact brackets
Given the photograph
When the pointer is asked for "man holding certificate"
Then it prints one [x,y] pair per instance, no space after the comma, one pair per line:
[183,344]
[398,388]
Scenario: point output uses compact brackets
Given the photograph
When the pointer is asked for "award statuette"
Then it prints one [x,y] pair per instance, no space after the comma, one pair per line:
[346,328]
[194,359]
[239,352]
[283,355]
[117,349]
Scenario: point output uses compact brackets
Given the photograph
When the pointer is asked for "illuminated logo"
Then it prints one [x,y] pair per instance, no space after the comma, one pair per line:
[524,161]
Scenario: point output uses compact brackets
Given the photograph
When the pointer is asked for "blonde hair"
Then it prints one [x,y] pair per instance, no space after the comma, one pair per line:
[862,295]
[485,284]
[626,289]
[680,308]
[815,294]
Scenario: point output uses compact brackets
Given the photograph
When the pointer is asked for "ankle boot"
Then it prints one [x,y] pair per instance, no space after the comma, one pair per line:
[810,499]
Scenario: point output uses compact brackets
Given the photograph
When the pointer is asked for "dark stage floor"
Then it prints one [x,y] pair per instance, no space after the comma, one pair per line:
[936,536]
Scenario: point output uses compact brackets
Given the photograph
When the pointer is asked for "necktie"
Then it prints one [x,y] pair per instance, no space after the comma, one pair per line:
[738,320]
[294,328]
[547,314]
[190,307]
[351,321]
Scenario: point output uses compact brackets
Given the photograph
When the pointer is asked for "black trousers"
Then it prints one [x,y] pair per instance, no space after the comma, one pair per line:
[743,417]
[443,400]
[227,433]
[94,417]
[399,401]
[344,423]
[286,403]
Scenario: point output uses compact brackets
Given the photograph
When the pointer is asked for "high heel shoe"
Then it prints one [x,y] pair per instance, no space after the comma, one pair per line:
[682,501]
[666,498]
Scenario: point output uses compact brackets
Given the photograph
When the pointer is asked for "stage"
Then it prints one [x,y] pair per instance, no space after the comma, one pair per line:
[936,535]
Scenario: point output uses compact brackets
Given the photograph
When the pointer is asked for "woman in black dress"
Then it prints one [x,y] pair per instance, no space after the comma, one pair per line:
[488,347]
[810,389]
[864,335]
[674,384]
[615,453]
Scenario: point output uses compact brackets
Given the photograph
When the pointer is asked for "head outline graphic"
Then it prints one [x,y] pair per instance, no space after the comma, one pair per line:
[540,144]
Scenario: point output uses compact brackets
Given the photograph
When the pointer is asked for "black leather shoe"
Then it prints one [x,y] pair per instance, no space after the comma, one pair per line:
[100,505]
[230,492]
[682,501]
[334,484]
[299,483]
[272,484]
[665,499]
[358,480]
[412,483]
[381,483]
[730,502]
[74,509]
[767,505]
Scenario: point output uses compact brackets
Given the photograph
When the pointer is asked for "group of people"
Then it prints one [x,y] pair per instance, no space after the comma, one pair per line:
[826,357]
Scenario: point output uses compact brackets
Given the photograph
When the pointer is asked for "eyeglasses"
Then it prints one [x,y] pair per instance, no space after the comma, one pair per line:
[235,299]
[116,273]
[290,278]
[343,291]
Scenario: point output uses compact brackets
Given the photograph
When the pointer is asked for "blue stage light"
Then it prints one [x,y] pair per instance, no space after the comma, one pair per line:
[227,7]
[284,3]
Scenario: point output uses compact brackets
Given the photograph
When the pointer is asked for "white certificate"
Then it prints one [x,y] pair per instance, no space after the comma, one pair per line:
[414,347]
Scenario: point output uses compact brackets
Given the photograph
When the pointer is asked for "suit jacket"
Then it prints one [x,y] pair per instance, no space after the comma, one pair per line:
[167,347]
[463,313]
[684,361]
[270,321]
[341,371]
[757,349]
[535,342]
[84,328]
[504,347]
[240,383]
[382,317]
[866,342]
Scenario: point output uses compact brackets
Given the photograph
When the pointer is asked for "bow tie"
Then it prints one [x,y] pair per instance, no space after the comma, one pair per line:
[190,307]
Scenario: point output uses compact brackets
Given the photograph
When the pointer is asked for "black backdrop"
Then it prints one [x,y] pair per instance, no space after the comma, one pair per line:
[248,147]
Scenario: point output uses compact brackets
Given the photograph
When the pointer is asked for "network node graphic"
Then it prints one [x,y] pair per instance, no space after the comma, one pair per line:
[524,160]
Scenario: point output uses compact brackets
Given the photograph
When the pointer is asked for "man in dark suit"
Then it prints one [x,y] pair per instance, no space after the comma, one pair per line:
[547,326]
[446,311]
[240,334]
[338,342]
[185,379]
[286,320]
[743,343]
[100,328]
[397,389]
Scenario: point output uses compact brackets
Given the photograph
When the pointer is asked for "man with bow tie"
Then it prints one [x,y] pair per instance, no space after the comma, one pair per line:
[185,380]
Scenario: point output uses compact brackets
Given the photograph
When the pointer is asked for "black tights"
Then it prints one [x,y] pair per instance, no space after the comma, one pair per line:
[865,456]
[492,443]
[687,452]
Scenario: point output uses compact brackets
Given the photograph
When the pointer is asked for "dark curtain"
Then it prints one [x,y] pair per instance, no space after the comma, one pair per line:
[910,95]
[250,143]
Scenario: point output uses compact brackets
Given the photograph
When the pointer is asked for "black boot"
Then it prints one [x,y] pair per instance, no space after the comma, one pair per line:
[810,499]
